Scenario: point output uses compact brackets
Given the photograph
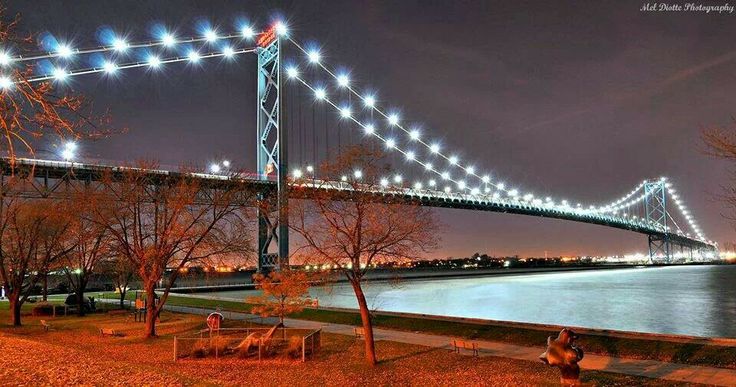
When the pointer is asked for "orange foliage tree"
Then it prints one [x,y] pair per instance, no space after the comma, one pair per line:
[284,292]
[32,239]
[351,230]
[162,223]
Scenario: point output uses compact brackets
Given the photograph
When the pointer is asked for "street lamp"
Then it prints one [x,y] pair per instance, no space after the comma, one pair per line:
[69,151]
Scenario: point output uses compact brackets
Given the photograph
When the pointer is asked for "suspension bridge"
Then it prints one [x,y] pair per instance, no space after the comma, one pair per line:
[438,179]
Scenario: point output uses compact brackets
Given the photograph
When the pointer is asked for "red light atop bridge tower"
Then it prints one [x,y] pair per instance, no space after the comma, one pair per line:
[267,37]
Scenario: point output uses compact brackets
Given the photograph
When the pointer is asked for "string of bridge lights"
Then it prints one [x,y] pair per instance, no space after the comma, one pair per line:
[210,36]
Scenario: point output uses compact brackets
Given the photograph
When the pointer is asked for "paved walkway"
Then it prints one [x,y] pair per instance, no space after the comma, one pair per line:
[648,368]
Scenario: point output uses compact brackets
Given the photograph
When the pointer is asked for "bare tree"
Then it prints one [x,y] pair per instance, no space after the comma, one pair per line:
[721,143]
[89,244]
[121,272]
[166,222]
[31,240]
[32,110]
[352,230]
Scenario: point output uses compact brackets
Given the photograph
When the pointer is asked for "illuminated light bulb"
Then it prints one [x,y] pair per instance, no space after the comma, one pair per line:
[211,36]
[298,173]
[435,148]
[390,143]
[474,191]
[228,52]
[154,61]
[226,164]
[432,183]
[119,44]
[384,182]
[292,72]
[513,192]
[5,83]
[110,67]
[410,155]
[5,58]
[281,28]
[343,80]
[369,129]
[320,93]
[417,185]
[500,186]
[398,179]
[447,189]
[64,51]
[193,56]
[393,119]
[59,74]
[428,166]
[453,160]
[358,174]
[247,32]
[496,195]
[461,184]
[310,168]
[414,134]
[343,178]
[314,56]
[485,179]
[487,189]
[445,176]
[369,101]
[168,40]
[345,112]
[470,170]
[215,168]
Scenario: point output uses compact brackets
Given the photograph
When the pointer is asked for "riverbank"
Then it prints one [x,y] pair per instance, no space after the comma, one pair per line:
[244,281]
[667,348]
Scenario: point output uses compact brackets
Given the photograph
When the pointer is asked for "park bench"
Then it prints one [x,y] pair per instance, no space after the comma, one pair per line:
[359,332]
[46,326]
[458,344]
[110,332]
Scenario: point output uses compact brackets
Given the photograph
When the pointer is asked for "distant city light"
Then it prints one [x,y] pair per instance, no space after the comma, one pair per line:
[215,168]
[358,174]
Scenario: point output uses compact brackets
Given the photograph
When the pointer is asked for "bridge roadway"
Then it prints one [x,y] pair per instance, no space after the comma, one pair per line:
[48,175]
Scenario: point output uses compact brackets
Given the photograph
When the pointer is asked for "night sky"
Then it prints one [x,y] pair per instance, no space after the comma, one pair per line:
[577,100]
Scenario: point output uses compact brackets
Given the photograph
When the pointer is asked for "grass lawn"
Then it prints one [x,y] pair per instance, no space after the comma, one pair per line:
[73,352]
[687,353]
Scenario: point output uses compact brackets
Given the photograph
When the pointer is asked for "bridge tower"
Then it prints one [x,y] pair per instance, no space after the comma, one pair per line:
[272,154]
[656,212]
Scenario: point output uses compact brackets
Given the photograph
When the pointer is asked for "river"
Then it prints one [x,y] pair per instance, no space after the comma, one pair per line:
[688,300]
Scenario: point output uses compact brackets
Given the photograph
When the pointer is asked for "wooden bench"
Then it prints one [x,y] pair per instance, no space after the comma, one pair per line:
[110,332]
[46,326]
[359,332]
[458,344]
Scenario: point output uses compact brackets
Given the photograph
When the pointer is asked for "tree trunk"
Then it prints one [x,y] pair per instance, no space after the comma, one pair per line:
[365,316]
[45,292]
[122,299]
[150,310]
[15,310]
[80,301]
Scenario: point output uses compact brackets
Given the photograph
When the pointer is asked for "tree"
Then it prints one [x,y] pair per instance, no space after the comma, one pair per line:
[121,271]
[89,244]
[30,111]
[284,292]
[352,230]
[721,143]
[166,222]
[32,237]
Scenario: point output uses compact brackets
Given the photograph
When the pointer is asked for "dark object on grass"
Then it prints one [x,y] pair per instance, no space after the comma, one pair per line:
[89,305]
[563,354]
